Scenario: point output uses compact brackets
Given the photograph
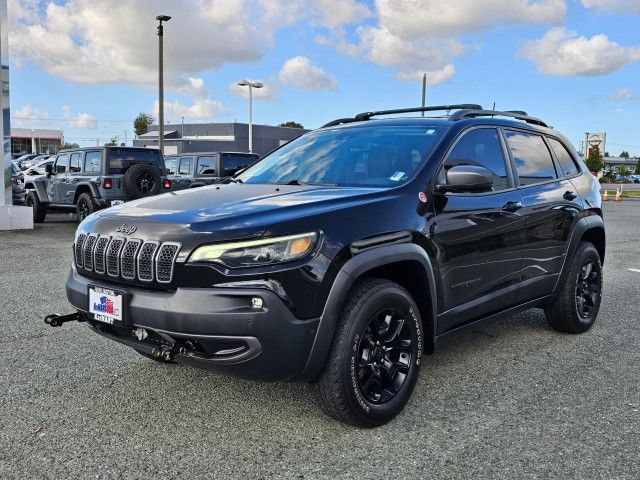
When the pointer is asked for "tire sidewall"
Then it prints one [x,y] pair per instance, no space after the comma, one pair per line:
[130,177]
[389,297]
[588,252]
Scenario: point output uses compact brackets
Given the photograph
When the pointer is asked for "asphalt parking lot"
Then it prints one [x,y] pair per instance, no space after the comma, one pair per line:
[511,399]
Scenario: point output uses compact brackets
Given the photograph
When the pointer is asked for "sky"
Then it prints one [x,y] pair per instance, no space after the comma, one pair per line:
[88,67]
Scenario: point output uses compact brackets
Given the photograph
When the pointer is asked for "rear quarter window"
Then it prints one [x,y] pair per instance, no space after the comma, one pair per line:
[120,159]
[565,159]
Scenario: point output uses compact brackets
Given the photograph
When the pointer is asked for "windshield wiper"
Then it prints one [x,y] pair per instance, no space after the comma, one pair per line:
[295,181]
[234,180]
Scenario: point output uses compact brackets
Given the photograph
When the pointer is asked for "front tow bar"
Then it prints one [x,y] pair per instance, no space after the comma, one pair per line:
[55,320]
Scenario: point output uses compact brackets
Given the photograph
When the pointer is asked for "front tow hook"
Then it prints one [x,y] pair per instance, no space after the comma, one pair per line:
[55,320]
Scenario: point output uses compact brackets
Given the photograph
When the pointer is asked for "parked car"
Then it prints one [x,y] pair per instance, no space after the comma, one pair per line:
[18,192]
[85,180]
[30,163]
[36,171]
[198,169]
[25,158]
[347,254]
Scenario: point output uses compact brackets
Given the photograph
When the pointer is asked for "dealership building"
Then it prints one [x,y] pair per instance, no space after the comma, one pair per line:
[35,140]
[218,137]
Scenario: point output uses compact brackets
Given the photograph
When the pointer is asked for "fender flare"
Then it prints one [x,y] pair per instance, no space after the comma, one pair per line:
[41,191]
[350,272]
[583,225]
[92,188]
[196,185]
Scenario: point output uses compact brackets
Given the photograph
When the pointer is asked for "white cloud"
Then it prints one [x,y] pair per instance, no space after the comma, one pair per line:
[423,18]
[617,6]
[624,94]
[82,121]
[202,107]
[267,92]
[110,41]
[336,13]
[301,73]
[562,52]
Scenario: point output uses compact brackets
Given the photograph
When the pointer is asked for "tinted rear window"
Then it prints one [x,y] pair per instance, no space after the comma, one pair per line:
[232,162]
[531,156]
[206,166]
[120,159]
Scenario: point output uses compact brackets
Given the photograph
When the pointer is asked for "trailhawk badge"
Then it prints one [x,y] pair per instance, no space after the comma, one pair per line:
[126,229]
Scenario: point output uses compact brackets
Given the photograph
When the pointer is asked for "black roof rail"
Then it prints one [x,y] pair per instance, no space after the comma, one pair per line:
[471,113]
[367,115]
[435,108]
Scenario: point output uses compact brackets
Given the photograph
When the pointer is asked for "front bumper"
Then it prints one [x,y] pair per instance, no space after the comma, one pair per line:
[268,343]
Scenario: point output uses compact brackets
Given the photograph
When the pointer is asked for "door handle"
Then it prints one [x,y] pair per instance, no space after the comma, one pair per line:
[512,206]
[569,195]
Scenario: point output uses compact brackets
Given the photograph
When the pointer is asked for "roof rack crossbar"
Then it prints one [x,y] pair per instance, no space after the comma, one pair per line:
[520,115]
[435,108]
[339,121]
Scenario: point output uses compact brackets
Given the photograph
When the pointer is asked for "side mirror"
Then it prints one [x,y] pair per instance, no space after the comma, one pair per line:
[467,178]
[49,170]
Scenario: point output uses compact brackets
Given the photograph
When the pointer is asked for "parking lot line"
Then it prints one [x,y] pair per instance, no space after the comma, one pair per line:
[637,270]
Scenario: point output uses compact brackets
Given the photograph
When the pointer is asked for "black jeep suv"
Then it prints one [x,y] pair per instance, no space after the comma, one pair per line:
[87,179]
[344,256]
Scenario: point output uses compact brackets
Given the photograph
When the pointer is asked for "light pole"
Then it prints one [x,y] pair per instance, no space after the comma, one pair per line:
[161,18]
[251,85]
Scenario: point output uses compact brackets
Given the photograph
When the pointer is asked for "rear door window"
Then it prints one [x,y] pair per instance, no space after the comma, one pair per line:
[206,166]
[481,147]
[531,157]
[120,159]
[92,161]
[565,159]
[74,163]
[185,166]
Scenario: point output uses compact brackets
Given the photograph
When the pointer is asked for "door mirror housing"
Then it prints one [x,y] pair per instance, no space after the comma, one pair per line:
[467,179]
[49,170]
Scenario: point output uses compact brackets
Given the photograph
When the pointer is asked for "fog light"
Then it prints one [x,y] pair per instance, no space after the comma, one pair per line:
[256,302]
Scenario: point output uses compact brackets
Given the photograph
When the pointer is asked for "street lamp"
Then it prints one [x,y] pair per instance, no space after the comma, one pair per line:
[251,85]
[161,18]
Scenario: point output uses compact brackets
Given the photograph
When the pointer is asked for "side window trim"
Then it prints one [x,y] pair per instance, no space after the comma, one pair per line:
[512,161]
[506,158]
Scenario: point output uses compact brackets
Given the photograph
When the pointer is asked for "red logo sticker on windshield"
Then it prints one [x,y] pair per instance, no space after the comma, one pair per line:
[423,197]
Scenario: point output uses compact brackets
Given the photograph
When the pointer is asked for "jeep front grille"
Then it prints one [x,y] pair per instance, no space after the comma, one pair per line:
[127,259]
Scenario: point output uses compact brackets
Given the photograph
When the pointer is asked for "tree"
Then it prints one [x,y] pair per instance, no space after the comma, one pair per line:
[142,123]
[594,160]
[112,143]
[624,154]
[624,171]
[291,124]
[638,168]
[67,145]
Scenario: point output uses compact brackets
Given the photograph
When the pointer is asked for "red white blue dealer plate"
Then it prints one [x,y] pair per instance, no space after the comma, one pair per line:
[105,304]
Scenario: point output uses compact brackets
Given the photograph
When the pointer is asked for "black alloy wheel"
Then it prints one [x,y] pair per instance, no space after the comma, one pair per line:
[385,354]
[145,182]
[587,288]
[83,209]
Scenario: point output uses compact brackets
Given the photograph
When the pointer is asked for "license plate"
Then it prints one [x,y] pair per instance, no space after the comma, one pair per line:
[116,202]
[105,304]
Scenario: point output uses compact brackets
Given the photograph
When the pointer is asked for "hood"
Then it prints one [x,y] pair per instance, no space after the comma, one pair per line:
[222,212]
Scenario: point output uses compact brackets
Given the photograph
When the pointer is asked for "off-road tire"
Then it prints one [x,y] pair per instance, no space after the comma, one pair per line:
[563,312]
[39,210]
[132,177]
[85,206]
[337,389]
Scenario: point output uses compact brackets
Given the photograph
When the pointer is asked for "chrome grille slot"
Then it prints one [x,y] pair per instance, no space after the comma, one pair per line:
[128,259]
[100,254]
[145,261]
[87,251]
[165,261]
[113,256]
[78,249]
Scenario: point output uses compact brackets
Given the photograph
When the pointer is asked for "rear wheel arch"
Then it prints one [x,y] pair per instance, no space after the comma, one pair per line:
[83,188]
[596,236]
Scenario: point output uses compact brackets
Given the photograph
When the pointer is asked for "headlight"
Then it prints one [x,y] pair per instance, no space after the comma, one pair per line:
[253,253]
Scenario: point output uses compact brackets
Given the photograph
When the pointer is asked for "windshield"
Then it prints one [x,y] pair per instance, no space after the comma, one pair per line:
[382,156]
